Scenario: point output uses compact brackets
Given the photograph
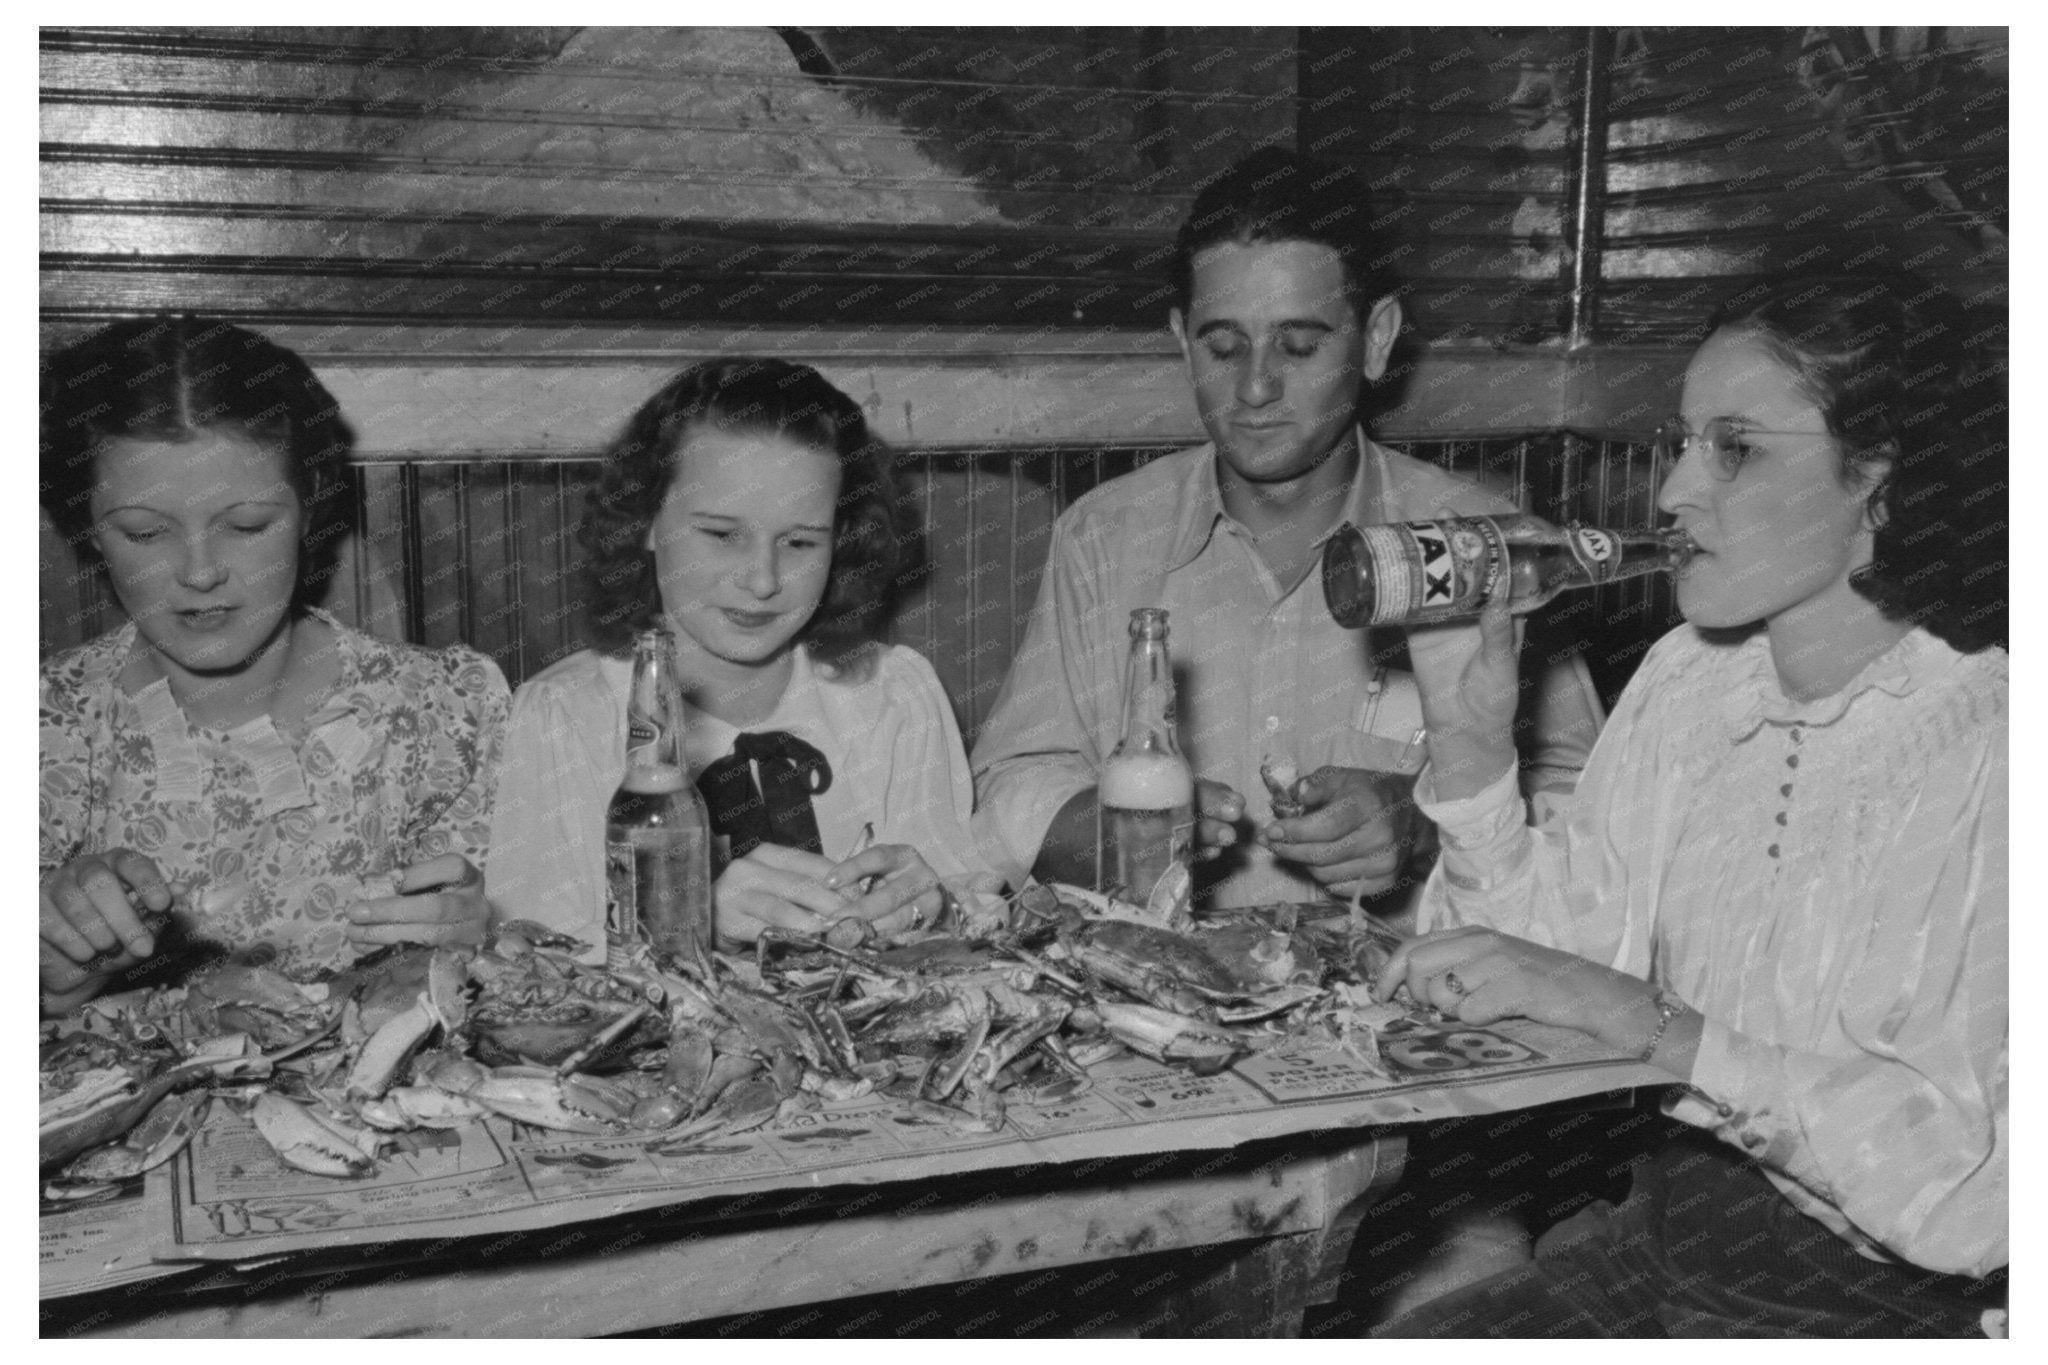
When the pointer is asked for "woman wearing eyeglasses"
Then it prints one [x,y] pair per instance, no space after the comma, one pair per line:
[1784,877]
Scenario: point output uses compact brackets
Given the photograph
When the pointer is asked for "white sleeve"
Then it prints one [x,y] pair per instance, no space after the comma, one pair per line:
[562,761]
[928,801]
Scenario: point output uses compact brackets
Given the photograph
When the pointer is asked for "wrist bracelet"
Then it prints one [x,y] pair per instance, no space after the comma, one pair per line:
[1669,1007]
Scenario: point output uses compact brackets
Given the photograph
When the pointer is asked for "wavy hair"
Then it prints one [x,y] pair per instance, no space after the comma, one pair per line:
[871,528]
[1910,396]
[169,378]
[1275,195]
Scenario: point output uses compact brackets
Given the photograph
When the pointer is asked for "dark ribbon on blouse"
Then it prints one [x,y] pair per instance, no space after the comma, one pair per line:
[778,810]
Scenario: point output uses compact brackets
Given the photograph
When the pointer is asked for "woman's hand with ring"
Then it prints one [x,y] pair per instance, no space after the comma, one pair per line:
[774,887]
[903,892]
[1479,976]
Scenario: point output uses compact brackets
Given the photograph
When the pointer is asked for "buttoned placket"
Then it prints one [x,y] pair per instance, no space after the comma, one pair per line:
[1781,818]
[1269,699]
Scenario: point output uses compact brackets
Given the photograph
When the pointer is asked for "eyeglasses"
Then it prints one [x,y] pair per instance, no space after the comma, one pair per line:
[1726,442]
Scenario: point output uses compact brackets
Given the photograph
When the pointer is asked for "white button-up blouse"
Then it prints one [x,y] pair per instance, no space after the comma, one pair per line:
[895,750]
[1826,883]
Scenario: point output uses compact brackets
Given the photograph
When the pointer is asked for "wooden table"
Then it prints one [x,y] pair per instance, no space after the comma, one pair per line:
[1281,1215]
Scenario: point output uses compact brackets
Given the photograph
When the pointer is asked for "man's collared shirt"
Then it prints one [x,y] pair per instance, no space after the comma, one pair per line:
[1261,668]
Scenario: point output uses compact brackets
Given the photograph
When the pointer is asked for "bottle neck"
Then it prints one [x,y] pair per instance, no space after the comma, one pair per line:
[654,731]
[1630,554]
[1149,706]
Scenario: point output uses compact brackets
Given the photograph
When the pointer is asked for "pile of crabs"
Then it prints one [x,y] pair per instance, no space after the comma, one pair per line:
[950,1024]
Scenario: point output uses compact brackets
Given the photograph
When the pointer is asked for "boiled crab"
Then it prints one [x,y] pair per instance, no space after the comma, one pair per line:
[94,1089]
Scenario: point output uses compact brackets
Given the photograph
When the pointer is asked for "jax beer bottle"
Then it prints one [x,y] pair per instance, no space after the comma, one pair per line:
[1146,791]
[657,836]
[1418,573]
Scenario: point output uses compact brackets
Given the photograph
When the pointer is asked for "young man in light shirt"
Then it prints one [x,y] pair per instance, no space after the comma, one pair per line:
[1285,313]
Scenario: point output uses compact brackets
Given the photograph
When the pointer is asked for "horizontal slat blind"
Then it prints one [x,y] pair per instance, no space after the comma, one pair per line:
[1724,157]
[829,177]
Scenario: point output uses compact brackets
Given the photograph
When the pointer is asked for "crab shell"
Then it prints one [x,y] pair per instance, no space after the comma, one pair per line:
[546,1042]
[64,1140]
[1259,956]
[147,1079]
[538,1008]
[1149,962]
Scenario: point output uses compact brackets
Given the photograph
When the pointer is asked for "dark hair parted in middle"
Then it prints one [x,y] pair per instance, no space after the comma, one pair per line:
[170,378]
[1274,195]
[746,394]
[1910,395]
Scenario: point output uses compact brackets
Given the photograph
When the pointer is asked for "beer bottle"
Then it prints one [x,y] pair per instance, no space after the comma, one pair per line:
[657,835]
[1418,573]
[1145,794]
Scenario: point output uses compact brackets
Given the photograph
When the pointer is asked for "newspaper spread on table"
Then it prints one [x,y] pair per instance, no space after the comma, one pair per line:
[228,1197]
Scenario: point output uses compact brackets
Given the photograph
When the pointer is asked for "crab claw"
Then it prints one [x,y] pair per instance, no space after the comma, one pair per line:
[388,1048]
[1283,784]
[748,1103]
[407,1107]
[540,1101]
[1167,1037]
[302,1139]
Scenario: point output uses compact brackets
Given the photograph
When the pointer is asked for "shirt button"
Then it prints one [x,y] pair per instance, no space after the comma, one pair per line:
[1752,1140]
[1781,817]
[1785,790]
[1791,760]
[1772,850]
[1272,724]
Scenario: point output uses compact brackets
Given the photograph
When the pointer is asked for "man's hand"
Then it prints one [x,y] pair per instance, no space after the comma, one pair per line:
[440,901]
[1355,836]
[1218,810]
[90,922]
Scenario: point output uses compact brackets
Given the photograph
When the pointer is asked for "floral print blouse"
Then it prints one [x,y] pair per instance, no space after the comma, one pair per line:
[269,840]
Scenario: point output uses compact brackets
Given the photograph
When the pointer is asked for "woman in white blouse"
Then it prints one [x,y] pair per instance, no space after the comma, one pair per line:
[1784,877]
[747,506]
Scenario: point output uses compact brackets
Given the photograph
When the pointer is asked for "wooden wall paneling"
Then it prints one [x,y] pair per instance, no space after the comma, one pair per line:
[482,551]
[550,505]
[949,539]
[491,589]
[994,606]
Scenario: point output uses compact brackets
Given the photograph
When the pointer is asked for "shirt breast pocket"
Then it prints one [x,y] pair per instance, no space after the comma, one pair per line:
[1386,727]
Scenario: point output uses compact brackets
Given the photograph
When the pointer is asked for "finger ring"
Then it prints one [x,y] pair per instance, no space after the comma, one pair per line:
[917,917]
[1452,984]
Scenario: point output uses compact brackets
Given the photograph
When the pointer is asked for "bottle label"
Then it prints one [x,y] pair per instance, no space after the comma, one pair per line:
[1595,551]
[622,893]
[658,888]
[1427,571]
[1145,858]
[642,735]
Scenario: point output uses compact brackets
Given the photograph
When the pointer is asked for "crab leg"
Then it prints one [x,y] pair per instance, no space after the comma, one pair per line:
[945,1073]
[604,1038]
